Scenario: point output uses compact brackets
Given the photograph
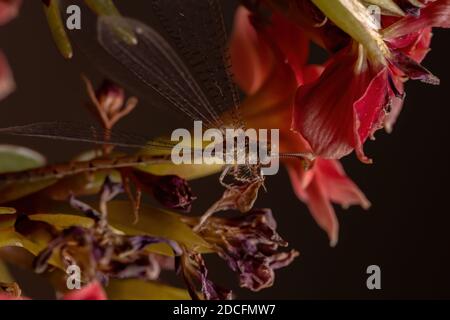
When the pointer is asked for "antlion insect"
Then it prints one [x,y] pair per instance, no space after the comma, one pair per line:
[200,85]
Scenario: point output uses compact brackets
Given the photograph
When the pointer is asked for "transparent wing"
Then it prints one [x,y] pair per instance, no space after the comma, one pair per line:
[198,32]
[72,131]
[153,61]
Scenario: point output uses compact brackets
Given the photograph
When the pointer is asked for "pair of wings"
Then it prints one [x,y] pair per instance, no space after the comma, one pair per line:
[197,83]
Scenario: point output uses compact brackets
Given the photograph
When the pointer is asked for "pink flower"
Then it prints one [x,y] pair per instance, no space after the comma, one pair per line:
[92,291]
[322,185]
[8,11]
[352,99]
[269,59]
[343,107]
[7,84]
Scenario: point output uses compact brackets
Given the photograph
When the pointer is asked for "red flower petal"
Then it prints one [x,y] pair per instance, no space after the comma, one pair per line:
[9,10]
[319,205]
[338,112]
[92,291]
[435,14]
[291,41]
[396,106]
[257,52]
[270,107]
[327,183]
[415,45]
[252,58]
[369,112]
[7,84]
[9,297]
[338,186]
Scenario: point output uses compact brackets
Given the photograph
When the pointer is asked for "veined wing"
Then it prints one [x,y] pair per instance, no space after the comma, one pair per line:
[152,150]
[197,30]
[72,131]
[202,88]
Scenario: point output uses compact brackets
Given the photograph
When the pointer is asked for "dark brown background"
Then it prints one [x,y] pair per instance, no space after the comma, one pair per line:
[406,232]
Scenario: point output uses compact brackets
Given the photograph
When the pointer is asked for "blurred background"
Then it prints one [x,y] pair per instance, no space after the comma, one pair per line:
[405,232]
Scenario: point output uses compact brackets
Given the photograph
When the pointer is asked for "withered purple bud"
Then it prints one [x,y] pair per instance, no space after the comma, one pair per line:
[195,274]
[171,191]
[110,97]
[250,246]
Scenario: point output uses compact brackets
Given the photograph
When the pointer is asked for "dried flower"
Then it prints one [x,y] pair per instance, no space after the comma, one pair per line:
[238,197]
[108,103]
[171,191]
[193,269]
[102,252]
[250,246]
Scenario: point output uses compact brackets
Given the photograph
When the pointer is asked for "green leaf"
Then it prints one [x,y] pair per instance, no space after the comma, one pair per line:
[143,290]
[57,29]
[4,210]
[15,158]
[185,171]
[107,8]
[103,7]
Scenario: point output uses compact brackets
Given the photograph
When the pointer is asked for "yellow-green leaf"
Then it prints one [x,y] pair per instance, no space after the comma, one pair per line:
[7,221]
[107,8]
[185,171]
[16,158]
[155,222]
[10,238]
[103,7]
[57,29]
[4,210]
[63,221]
[5,275]
[354,18]
[143,290]
[13,191]
[13,159]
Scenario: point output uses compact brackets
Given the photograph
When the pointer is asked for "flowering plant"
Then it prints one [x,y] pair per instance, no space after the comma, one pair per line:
[328,111]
